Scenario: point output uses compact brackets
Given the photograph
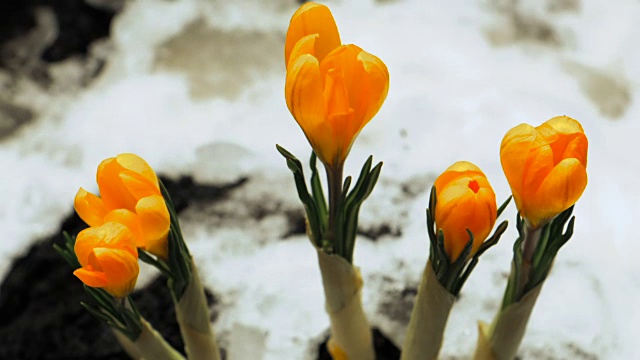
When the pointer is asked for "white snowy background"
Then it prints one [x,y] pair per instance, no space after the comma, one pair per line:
[196,88]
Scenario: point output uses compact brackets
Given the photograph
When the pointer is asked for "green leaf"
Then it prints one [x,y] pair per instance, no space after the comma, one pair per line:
[503,206]
[311,208]
[318,193]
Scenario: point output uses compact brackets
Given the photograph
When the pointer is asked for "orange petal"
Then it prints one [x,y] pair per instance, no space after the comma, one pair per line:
[89,207]
[312,18]
[303,91]
[87,240]
[119,266]
[137,185]
[113,192]
[537,166]
[459,216]
[137,165]
[109,235]
[374,87]
[304,46]
[450,198]
[565,125]
[131,221]
[155,222]
[514,152]
[577,148]
[335,94]
[455,171]
[91,278]
[560,190]
[365,77]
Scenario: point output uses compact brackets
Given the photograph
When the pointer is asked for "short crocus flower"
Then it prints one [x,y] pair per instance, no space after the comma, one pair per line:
[465,200]
[108,257]
[332,90]
[546,167]
[130,195]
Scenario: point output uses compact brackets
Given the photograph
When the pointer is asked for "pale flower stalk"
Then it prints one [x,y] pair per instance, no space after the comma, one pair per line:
[350,330]
[428,319]
[150,345]
[192,313]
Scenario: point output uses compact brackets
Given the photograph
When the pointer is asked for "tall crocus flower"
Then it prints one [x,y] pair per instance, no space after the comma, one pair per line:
[465,201]
[332,90]
[545,167]
[108,257]
[130,195]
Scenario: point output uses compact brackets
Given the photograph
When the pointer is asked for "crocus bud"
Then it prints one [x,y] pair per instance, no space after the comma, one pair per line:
[465,200]
[332,90]
[130,195]
[108,257]
[546,167]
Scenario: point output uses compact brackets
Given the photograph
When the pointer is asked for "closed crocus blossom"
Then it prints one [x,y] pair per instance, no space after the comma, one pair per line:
[108,257]
[465,200]
[332,90]
[546,167]
[130,195]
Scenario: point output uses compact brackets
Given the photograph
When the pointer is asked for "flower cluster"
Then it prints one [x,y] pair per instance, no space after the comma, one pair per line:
[130,213]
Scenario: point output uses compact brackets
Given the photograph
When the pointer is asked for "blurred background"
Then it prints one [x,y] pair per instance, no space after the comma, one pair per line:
[196,88]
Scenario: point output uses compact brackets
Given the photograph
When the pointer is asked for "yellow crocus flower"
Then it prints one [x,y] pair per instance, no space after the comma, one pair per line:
[108,257]
[465,200]
[130,195]
[332,90]
[546,167]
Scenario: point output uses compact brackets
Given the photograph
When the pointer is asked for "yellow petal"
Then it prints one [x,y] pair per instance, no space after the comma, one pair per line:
[131,221]
[120,268]
[462,166]
[565,125]
[577,148]
[109,235]
[304,46]
[112,191]
[91,278]
[303,91]
[335,94]
[374,87]
[138,165]
[137,185]
[560,190]
[155,222]
[89,207]
[365,78]
[312,18]
[514,152]
[465,200]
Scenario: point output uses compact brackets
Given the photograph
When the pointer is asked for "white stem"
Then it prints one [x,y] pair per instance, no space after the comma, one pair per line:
[127,345]
[428,319]
[192,313]
[350,330]
[152,346]
[501,340]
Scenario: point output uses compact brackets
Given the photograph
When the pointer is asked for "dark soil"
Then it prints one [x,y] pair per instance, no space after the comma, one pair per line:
[79,24]
[385,349]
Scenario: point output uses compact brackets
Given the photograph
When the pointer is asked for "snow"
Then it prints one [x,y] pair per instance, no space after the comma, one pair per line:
[462,74]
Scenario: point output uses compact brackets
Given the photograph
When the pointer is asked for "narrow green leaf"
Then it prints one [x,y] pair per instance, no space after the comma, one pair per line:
[504,206]
[316,189]
[95,312]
